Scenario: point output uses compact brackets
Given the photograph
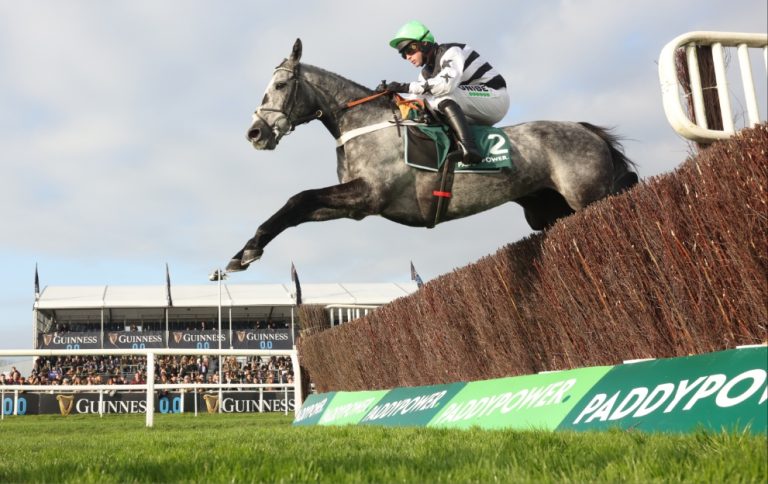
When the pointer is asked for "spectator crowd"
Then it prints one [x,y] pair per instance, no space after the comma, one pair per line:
[169,369]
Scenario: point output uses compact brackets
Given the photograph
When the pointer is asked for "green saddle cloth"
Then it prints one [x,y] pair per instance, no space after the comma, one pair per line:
[426,147]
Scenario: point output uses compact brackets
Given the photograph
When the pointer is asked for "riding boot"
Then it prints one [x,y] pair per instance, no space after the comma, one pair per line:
[458,124]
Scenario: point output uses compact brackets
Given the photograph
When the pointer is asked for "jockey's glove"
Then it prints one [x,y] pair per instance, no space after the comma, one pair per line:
[393,87]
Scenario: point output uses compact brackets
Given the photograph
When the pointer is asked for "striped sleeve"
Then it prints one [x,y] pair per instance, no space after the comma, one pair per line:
[456,65]
[478,71]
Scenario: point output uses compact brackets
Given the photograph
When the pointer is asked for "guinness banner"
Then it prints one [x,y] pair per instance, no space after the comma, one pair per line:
[200,340]
[68,341]
[263,339]
[136,402]
[134,339]
[27,403]
[249,339]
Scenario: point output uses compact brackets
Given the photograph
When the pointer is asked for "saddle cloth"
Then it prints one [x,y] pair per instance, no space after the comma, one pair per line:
[426,147]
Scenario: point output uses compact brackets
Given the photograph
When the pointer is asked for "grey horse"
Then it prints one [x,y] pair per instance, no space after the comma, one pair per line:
[563,166]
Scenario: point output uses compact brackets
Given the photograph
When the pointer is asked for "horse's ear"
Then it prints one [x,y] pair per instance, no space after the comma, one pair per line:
[296,53]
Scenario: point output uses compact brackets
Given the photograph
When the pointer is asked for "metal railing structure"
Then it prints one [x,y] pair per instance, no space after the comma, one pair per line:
[150,387]
[671,95]
[343,313]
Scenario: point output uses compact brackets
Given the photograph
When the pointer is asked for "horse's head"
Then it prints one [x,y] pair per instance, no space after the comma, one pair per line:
[286,104]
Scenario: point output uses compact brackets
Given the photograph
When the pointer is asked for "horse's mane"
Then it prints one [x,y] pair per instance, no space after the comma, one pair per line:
[347,83]
[326,72]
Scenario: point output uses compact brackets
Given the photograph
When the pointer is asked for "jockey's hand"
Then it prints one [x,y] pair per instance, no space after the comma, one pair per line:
[393,87]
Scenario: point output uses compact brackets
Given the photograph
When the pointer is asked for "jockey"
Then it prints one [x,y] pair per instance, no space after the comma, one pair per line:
[454,81]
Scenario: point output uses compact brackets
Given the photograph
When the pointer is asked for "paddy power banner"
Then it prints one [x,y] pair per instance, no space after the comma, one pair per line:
[313,408]
[350,407]
[534,401]
[410,406]
[723,390]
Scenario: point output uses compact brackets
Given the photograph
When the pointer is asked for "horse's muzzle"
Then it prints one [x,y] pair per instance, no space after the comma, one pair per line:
[261,136]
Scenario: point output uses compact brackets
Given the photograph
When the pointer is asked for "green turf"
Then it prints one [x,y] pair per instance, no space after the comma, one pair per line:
[266,448]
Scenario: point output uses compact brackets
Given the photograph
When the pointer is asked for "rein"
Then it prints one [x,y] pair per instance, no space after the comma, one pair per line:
[399,100]
[363,100]
[403,104]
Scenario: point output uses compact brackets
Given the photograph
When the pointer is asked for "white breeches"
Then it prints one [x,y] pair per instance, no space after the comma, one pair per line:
[481,105]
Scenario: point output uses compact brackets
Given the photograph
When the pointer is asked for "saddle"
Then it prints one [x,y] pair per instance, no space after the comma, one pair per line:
[432,146]
[428,143]
[427,147]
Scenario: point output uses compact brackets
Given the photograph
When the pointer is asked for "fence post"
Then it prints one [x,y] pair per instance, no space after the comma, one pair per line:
[285,399]
[749,85]
[150,389]
[673,108]
[297,396]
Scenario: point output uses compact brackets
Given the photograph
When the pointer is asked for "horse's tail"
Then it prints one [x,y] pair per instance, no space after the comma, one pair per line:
[624,169]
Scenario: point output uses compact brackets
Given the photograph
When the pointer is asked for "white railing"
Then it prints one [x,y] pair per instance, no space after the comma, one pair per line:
[343,313]
[671,98]
[151,386]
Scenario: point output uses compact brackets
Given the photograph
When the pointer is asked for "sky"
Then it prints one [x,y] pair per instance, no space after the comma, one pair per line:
[122,129]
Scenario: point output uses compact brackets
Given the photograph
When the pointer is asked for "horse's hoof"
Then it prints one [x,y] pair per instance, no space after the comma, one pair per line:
[236,266]
[250,255]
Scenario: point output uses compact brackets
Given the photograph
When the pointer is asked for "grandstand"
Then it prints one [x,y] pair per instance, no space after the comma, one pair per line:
[253,316]
[226,348]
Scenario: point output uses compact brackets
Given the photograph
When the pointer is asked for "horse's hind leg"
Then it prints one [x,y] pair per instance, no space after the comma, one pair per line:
[348,200]
[543,208]
[591,181]
[625,182]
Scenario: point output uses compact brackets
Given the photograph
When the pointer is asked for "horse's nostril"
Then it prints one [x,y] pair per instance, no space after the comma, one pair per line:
[253,134]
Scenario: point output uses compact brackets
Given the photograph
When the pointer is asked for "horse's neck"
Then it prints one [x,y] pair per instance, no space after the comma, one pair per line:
[335,91]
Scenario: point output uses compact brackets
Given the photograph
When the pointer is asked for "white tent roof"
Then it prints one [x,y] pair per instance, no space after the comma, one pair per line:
[91,297]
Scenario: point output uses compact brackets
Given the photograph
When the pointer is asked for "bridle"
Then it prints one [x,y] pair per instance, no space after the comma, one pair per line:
[284,124]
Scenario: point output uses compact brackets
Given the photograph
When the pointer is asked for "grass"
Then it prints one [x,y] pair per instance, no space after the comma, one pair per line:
[266,448]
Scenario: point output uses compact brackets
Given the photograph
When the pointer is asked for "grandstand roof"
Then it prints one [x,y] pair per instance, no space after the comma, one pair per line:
[86,297]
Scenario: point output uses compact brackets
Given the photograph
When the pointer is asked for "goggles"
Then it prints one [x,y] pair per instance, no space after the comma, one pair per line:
[410,49]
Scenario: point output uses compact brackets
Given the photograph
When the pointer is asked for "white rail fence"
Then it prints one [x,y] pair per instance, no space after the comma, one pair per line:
[150,387]
[343,313]
[670,89]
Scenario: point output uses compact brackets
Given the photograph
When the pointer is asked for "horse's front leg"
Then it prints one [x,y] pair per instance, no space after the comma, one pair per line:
[349,200]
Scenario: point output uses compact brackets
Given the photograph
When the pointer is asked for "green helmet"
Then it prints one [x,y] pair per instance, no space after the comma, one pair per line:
[413,30]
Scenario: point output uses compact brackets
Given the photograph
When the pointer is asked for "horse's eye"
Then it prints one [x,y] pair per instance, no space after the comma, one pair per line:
[279,85]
